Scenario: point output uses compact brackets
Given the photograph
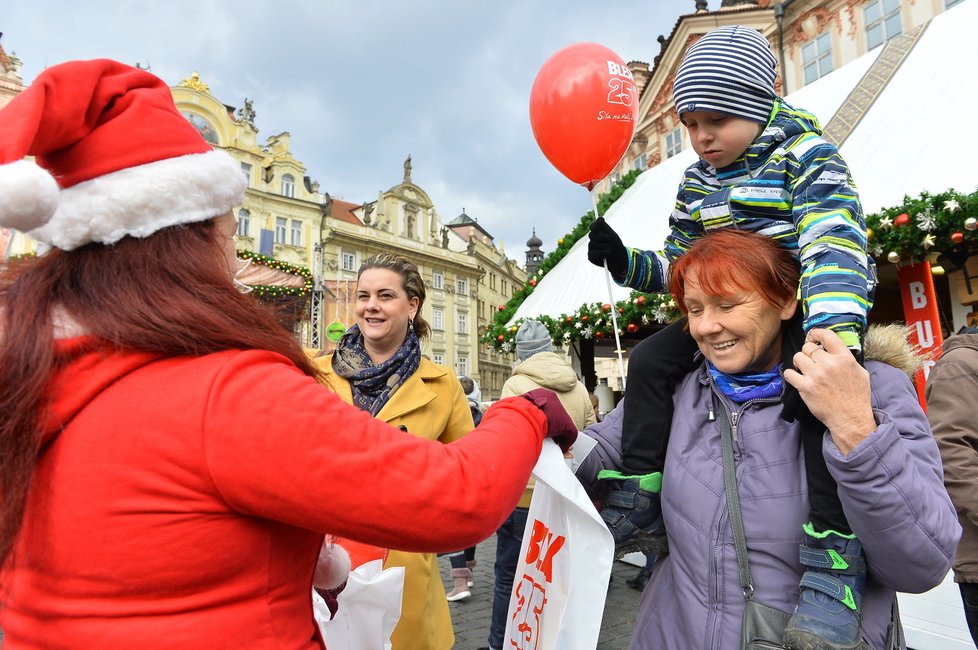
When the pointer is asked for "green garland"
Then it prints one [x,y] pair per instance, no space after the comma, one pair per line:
[920,228]
[265,291]
[925,228]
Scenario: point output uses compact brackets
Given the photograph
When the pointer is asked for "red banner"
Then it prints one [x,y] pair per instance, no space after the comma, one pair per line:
[920,312]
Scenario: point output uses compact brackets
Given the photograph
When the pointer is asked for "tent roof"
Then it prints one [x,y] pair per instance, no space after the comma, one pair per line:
[915,137]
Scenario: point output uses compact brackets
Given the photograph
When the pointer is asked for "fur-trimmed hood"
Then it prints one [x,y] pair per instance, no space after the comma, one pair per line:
[891,344]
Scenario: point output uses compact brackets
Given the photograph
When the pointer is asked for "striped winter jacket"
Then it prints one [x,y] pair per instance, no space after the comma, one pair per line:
[791,185]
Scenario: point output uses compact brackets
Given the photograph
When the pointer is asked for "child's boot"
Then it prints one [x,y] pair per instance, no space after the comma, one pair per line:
[830,604]
[633,512]
[470,565]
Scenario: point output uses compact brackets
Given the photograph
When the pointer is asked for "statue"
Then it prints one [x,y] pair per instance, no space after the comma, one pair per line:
[444,237]
[407,169]
[368,209]
[247,113]
[326,208]
[470,248]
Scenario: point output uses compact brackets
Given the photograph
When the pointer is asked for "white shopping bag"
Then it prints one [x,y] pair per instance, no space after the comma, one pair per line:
[564,565]
[369,608]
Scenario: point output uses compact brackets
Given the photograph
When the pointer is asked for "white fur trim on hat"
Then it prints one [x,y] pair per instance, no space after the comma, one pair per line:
[333,567]
[138,201]
[28,195]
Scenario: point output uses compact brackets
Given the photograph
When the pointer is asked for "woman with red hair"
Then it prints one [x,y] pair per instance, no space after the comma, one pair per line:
[739,292]
[169,464]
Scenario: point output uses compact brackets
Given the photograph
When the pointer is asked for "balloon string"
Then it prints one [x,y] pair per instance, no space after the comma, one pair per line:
[611,301]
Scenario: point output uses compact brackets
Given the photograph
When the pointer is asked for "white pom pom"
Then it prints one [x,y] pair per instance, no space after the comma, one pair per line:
[333,567]
[28,196]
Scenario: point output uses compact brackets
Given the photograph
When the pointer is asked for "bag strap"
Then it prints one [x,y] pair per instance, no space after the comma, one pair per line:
[895,639]
[733,497]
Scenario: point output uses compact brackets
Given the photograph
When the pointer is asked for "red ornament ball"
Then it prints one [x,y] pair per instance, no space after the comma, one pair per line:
[957,237]
[533,282]
[632,327]
[606,307]
[599,335]
[640,301]
[584,318]
[500,338]
[570,319]
[901,220]
[621,311]
[501,307]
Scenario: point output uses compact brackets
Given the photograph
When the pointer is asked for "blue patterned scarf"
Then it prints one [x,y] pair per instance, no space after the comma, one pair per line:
[745,386]
[373,385]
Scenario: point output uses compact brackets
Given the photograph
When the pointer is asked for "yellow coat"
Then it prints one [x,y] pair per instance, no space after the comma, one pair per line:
[431,405]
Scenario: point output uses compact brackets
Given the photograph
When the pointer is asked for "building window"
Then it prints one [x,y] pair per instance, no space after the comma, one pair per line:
[246,170]
[348,261]
[816,57]
[438,358]
[244,222]
[281,223]
[463,323]
[437,280]
[462,366]
[461,286]
[883,22]
[492,281]
[641,161]
[674,142]
[437,319]
[296,232]
[288,186]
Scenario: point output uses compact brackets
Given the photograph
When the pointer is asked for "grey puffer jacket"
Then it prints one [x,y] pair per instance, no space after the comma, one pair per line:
[891,487]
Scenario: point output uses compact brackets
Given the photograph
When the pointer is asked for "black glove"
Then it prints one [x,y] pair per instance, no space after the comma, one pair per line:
[560,427]
[605,245]
[794,338]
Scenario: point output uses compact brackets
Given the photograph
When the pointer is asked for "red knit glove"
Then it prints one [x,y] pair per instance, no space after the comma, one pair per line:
[560,427]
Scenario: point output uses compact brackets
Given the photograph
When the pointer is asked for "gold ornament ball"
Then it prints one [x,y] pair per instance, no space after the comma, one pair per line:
[970,223]
[893,257]
[870,233]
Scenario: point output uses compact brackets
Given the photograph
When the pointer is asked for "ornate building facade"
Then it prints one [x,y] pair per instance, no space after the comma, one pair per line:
[283,208]
[810,38]
[499,278]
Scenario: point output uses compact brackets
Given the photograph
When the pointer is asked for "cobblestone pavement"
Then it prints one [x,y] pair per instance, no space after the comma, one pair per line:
[470,617]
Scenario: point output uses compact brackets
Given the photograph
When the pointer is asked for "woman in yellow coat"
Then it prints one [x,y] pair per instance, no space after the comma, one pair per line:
[378,367]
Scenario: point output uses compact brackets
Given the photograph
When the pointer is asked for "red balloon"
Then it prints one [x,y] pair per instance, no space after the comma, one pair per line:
[583,110]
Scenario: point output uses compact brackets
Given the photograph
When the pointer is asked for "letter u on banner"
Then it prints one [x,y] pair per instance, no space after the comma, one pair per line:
[920,312]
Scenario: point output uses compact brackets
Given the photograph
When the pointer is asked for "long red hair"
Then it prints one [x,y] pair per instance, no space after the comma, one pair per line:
[169,293]
[726,261]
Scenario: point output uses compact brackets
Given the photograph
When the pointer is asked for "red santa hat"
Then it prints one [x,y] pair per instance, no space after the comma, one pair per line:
[112,158]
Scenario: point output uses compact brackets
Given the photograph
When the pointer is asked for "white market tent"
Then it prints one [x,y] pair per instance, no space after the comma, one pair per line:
[918,135]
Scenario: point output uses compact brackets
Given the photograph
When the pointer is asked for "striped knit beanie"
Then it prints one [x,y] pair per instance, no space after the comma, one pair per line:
[729,70]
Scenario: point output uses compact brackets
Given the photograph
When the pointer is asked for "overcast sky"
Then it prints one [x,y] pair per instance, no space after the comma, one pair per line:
[360,84]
